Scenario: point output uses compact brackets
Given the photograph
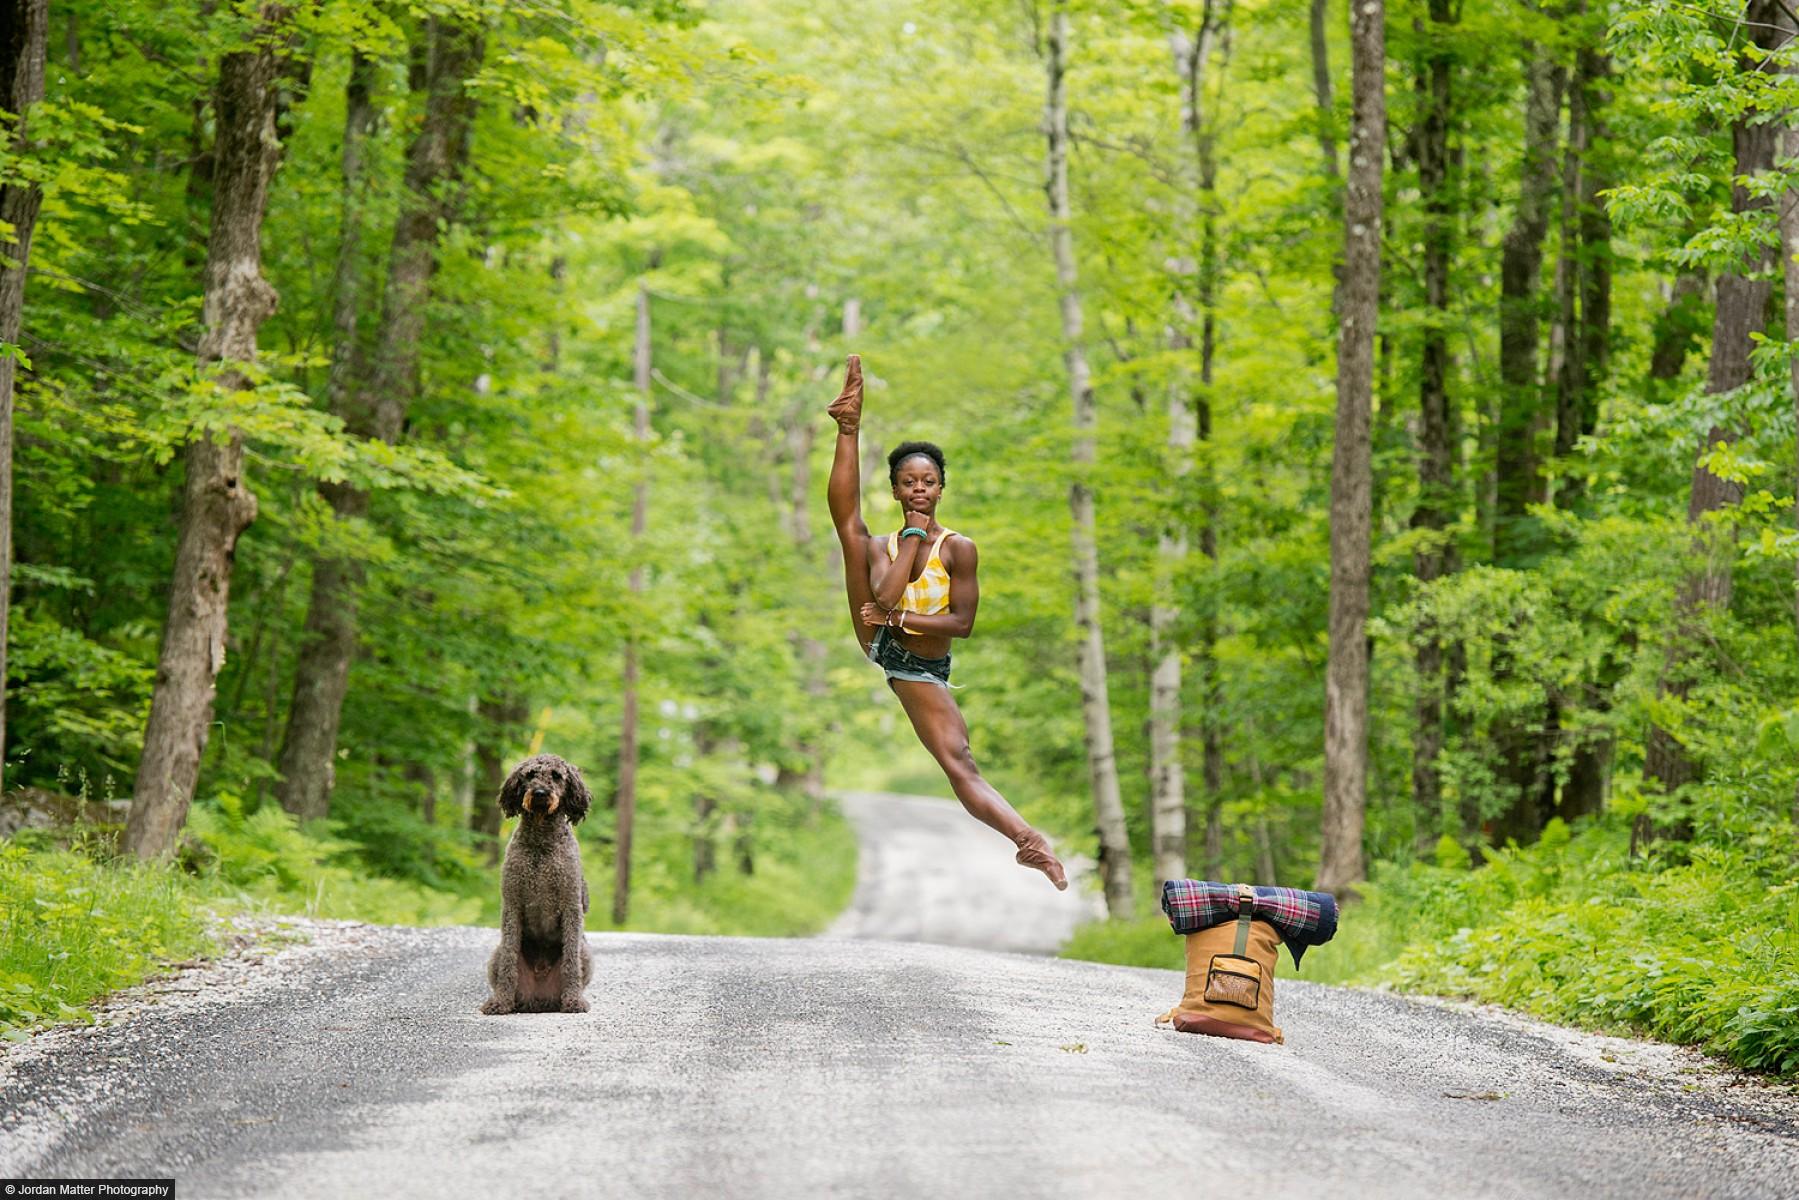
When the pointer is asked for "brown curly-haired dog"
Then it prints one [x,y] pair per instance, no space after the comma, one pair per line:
[543,895]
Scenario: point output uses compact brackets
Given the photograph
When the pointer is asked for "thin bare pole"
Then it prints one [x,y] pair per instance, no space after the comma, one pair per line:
[627,738]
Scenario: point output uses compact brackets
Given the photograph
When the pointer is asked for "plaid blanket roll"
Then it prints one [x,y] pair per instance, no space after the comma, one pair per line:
[1304,919]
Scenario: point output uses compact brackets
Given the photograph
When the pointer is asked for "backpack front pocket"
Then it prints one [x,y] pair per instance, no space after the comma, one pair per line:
[1233,979]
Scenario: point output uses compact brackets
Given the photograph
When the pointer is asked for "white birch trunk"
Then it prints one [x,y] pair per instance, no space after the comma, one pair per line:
[1096,706]
[1168,775]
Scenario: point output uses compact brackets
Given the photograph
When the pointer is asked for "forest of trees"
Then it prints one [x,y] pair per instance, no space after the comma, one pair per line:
[1378,424]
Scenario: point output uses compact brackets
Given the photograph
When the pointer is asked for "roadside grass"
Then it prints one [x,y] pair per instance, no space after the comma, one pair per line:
[72,929]
[1700,952]
[1144,941]
[79,922]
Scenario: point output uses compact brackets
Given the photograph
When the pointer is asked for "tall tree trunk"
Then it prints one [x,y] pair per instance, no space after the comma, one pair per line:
[1789,243]
[463,794]
[626,805]
[309,740]
[810,650]
[1521,742]
[1678,326]
[217,504]
[1265,870]
[1204,135]
[1341,865]
[1321,89]
[1521,261]
[1096,707]
[373,401]
[499,723]
[422,783]
[1436,491]
[1168,776]
[1586,358]
[1587,251]
[705,857]
[1742,303]
[705,804]
[1212,854]
[24,29]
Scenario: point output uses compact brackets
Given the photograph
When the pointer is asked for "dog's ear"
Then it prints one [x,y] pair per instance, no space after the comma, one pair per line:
[576,799]
[512,792]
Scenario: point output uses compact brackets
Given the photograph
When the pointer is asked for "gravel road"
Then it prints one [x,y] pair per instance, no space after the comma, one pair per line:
[356,1065]
[929,872]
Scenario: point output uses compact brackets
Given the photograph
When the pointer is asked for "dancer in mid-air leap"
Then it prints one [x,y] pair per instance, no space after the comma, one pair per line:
[910,593]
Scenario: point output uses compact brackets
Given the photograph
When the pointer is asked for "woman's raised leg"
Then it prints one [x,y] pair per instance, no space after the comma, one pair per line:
[941,727]
[844,495]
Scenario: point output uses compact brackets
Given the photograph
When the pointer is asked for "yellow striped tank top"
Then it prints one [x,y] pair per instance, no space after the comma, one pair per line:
[927,595]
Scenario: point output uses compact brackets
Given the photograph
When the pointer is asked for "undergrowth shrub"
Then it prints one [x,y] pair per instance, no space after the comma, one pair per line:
[264,859]
[72,929]
[1702,952]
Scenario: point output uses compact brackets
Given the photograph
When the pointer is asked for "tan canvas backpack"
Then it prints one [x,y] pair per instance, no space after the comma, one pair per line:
[1230,979]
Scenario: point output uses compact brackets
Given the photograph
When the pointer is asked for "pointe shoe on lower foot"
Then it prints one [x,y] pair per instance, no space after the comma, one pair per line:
[846,410]
[1033,851]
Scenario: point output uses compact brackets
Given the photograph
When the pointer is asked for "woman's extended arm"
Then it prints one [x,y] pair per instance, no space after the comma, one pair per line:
[962,561]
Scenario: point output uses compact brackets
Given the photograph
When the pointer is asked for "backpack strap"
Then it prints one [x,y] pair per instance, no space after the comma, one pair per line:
[1246,910]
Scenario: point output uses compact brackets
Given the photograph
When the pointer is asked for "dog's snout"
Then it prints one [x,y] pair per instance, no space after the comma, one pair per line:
[540,797]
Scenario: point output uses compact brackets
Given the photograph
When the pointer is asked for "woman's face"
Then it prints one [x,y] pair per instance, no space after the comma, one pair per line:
[918,485]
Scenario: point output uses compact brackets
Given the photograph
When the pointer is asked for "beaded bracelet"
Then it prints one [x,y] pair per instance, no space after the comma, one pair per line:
[909,530]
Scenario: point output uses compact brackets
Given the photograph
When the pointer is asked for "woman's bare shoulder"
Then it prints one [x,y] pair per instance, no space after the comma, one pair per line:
[960,551]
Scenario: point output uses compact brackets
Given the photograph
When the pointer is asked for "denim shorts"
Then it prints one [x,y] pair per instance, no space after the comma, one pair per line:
[886,653]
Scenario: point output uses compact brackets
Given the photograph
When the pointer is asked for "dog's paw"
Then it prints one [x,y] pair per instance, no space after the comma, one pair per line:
[495,1007]
[574,1004]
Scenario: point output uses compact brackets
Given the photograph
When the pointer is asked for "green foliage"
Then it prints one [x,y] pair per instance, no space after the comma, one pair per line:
[73,929]
[1573,930]
[1450,854]
[263,858]
[803,877]
[1144,942]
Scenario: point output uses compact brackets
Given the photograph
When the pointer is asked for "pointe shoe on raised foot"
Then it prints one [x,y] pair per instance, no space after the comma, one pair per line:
[846,410]
[1033,851]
